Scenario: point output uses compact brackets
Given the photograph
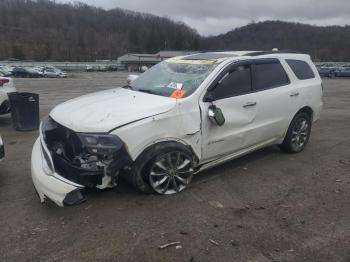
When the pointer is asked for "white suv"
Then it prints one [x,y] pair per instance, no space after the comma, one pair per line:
[181,116]
[6,87]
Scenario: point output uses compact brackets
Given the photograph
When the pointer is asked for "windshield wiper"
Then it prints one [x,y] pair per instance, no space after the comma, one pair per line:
[128,87]
[147,91]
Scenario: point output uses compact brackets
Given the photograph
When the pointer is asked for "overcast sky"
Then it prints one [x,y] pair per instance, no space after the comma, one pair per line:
[211,17]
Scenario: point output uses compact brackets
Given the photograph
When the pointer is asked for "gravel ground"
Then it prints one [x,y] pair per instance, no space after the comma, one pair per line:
[266,206]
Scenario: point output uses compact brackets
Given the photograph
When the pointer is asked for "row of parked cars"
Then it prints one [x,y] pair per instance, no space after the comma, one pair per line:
[101,68]
[33,72]
[332,71]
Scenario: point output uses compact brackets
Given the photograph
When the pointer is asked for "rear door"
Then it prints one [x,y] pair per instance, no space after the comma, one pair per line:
[275,99]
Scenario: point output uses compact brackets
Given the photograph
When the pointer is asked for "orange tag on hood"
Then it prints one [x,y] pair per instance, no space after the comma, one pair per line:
[178,93]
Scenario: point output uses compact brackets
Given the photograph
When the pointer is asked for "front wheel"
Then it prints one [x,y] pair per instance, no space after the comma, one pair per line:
[165,169]
[171,172]
[298,134]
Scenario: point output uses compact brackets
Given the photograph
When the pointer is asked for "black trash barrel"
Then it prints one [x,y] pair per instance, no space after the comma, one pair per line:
[25,111]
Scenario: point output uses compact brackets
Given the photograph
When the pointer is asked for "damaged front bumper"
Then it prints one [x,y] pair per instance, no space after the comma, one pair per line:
[65,162]
[49,184]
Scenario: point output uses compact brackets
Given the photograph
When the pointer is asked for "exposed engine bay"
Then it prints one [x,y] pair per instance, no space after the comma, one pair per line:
[92,160]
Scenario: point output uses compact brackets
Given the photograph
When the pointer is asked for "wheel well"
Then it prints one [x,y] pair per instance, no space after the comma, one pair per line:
[157,146]
[308,110]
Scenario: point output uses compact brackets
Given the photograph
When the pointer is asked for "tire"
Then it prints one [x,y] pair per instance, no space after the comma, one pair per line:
[166,168]
[298,134]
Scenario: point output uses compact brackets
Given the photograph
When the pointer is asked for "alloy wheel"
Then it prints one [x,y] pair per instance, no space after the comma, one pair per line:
[171,173]
[300,134]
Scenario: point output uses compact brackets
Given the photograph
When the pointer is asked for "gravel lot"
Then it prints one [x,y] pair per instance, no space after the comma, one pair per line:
[267,206]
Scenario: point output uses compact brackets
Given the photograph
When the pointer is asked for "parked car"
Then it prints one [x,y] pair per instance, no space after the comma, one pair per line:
[35,71]
[2,150]
[342,72]
[89,68]
[25,72]
[5,73]
[54,73]
[180,117]
[102,68]
[112,68]
[6,70]
[326,71]
[6,87]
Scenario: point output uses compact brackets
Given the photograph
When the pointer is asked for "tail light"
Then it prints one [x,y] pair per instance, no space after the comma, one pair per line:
[4,81]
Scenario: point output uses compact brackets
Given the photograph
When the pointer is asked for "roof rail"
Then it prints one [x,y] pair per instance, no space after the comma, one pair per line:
[213,51]
[257,53]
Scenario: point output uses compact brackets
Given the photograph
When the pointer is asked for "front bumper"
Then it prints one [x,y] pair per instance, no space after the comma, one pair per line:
[49,184]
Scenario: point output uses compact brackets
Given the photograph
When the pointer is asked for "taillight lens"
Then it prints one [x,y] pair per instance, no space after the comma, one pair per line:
[4,81]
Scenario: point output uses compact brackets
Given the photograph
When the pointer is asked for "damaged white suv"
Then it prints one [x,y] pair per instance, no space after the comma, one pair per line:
[181,116]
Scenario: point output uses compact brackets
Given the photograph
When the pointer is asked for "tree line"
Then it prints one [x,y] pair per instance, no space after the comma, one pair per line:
[46,30]
[323,43]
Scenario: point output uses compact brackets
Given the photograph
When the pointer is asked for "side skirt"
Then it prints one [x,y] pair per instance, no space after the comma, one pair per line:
[235,155]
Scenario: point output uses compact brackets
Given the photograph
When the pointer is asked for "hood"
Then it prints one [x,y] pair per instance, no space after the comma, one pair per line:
[103,111]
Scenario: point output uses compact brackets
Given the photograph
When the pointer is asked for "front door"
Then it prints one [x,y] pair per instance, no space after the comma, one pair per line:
[233,95]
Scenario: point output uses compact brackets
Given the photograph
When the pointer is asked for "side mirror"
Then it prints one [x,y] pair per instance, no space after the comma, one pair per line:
[131,78]
[215,114]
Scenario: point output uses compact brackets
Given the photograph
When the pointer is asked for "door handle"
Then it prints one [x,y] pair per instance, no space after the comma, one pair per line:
[249,104]
[294,94]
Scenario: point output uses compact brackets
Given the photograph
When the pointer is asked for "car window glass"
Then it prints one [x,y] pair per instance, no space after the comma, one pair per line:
[236,82]
[268,75]
[168,77]
[301,69]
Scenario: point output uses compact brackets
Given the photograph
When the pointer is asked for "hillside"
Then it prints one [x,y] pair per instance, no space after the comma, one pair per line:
[45,30]
[330,43]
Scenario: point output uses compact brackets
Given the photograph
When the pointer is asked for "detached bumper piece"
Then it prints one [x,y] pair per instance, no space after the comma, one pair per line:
[75,161]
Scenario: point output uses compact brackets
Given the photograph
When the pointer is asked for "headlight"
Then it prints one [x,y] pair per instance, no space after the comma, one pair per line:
[97,144]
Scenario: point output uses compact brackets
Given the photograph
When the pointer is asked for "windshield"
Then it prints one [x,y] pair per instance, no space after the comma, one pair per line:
[175,79]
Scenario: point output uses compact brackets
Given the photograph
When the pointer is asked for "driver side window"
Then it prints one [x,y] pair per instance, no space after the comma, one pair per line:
[234,83]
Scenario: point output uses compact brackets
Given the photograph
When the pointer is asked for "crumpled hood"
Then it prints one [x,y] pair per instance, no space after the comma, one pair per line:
[103,111]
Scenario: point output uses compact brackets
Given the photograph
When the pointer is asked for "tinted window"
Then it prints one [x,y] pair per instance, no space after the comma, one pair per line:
[301,69]
[236,82]
[269,74]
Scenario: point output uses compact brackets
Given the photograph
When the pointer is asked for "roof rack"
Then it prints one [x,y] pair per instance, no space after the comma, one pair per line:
[213,51]
[272,52]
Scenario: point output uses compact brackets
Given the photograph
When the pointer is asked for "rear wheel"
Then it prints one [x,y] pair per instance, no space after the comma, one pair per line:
[298,133]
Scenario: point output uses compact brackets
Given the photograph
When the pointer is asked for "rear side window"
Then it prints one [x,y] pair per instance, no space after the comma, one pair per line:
[269,74]
[301,69]
[234,83]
